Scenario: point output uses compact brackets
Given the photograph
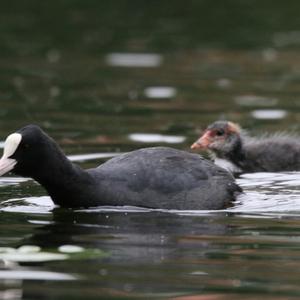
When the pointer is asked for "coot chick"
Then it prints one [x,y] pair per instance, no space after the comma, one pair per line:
[235,151]
[156,177]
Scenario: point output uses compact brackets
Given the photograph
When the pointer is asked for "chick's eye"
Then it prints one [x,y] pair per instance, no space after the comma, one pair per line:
[220,132]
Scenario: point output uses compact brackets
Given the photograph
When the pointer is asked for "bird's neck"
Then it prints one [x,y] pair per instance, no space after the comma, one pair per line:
[233,157]
[237,155]
[65,183]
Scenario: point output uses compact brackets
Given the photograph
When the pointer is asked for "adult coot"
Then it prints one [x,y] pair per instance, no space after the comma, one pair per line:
[157,177]
[234,150]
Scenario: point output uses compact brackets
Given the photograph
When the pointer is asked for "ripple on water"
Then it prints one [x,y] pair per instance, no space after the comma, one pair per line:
[269,192]
[35,275]
[6,181]
[253,100]
[160,92]
[31,205]
[288,179]
[129,60]
[156,138]
[269,114]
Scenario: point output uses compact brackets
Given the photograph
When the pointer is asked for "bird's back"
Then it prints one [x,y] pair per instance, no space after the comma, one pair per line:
[162,177]
[274,153]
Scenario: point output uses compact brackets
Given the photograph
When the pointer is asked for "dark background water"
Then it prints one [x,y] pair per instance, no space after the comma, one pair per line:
[78,69]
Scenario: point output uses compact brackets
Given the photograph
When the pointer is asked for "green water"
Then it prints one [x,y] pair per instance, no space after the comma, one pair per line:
[63,65]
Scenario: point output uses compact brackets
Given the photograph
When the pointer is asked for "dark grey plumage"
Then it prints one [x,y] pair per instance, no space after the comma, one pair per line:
[157,177]
[162,177]
[273,153]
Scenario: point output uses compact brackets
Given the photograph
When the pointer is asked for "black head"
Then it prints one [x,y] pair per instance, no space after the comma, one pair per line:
[28,151]
[221,137]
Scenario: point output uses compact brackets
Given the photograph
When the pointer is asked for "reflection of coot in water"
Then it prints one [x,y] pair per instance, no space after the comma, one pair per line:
[153,177]
[238,153]
[129,237]
[146,250]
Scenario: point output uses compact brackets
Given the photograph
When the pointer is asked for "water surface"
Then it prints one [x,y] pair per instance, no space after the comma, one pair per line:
[106,77]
